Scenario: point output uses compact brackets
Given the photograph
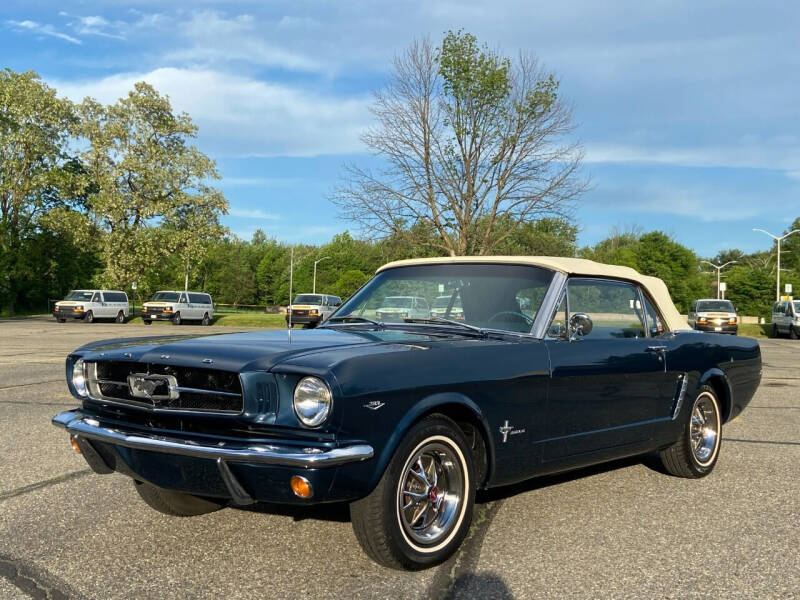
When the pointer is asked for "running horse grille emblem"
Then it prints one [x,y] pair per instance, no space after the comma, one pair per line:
[153,387]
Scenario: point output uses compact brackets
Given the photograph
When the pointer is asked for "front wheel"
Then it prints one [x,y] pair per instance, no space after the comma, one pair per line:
[793,333]
[206,320]
[420,511]
[89,318]
[696,451]
[774,330]
[175,504]
[120,317]
[176,320]
[147,322]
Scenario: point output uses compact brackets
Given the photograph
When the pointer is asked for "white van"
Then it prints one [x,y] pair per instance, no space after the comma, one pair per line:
[309,310]
[786,318]
[177,307]
[93,304]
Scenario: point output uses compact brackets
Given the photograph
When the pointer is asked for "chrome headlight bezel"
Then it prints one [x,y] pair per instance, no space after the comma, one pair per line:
[78,379]
[312,401]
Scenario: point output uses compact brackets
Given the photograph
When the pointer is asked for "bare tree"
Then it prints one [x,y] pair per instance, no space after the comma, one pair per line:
[470,142]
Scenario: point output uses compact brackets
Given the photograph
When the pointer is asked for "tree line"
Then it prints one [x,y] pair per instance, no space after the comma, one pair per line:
[476,158]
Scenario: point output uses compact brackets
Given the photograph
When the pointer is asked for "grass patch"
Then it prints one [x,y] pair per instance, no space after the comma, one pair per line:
[755,330]
[243,319]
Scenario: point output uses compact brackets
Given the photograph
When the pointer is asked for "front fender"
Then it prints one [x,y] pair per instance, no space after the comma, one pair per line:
[448,403]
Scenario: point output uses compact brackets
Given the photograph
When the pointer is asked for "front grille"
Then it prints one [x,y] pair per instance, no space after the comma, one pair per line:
[208,390]
[154,310]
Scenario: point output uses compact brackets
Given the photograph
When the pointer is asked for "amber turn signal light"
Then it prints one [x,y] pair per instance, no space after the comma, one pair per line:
[301,487]
[74,441]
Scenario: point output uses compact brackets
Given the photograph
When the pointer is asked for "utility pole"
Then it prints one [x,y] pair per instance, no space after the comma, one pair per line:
[291,277]
[719,268]
[314,285]
[778,239]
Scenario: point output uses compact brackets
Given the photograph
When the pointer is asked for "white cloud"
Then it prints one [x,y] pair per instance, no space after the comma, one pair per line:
[240,38]
[253,214]
[241,116]
[779,153]
[41,29]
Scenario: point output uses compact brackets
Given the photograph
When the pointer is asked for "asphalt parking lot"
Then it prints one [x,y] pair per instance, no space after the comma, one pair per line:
[622,530]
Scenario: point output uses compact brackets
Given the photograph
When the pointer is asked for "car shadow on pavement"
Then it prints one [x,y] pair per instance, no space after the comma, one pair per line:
[537,483]
[338,512]
[479,585]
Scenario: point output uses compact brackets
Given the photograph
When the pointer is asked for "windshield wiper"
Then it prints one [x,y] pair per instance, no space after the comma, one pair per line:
[474,328]
[354,319]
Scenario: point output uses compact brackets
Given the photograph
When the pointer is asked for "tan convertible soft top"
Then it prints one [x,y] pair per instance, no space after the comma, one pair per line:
[572,266]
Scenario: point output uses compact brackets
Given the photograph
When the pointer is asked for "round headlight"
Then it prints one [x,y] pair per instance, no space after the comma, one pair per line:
[312,401]
[79,378]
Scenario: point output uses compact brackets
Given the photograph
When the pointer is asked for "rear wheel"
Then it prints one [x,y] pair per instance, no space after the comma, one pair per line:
[206,320]
[420,511]
[89,318]
[176,320]
[696,451]
[120,317]
[175,504]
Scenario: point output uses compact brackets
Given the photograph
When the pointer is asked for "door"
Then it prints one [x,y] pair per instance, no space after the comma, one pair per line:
[779,315]
[97,307]
[184,307]
[608,386]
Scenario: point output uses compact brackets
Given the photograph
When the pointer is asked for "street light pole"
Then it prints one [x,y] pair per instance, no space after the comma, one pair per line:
[314,285]
[778,239]
[719,268]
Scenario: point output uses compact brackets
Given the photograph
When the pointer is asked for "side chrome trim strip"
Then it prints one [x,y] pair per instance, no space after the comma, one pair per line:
[681,394]
[268,454]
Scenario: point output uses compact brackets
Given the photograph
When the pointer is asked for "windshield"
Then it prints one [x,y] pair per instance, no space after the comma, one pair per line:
[165,297]
[397,302]
[718,305]
[492,296]
[307,299]
[79,295]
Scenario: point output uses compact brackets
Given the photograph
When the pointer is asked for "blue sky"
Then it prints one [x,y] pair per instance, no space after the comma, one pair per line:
[688,111]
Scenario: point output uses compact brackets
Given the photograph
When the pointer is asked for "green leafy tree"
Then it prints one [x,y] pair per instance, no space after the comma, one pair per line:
[348,283]
[35,173]
[471,141]
[152,198]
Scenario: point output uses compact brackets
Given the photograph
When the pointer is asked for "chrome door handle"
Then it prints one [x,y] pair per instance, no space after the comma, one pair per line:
[659,349]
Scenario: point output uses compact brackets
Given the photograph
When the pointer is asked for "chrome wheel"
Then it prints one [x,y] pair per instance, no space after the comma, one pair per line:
[704,429]
[431,493]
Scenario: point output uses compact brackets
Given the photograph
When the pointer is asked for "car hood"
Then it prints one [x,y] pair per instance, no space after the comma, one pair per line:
[258,350]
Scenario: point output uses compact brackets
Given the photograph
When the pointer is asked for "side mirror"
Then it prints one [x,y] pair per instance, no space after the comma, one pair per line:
[580,324]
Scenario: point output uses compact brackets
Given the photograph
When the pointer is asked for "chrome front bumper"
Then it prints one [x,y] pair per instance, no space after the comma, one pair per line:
[266,454]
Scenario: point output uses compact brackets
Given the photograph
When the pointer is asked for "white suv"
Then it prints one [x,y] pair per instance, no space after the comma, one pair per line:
[786,318]
[93,304]
[178,307]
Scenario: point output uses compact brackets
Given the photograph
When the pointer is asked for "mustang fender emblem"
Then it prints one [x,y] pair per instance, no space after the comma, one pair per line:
[507,429]
[375,405]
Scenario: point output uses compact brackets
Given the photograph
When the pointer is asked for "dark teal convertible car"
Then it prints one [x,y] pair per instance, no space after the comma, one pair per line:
[535,365]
